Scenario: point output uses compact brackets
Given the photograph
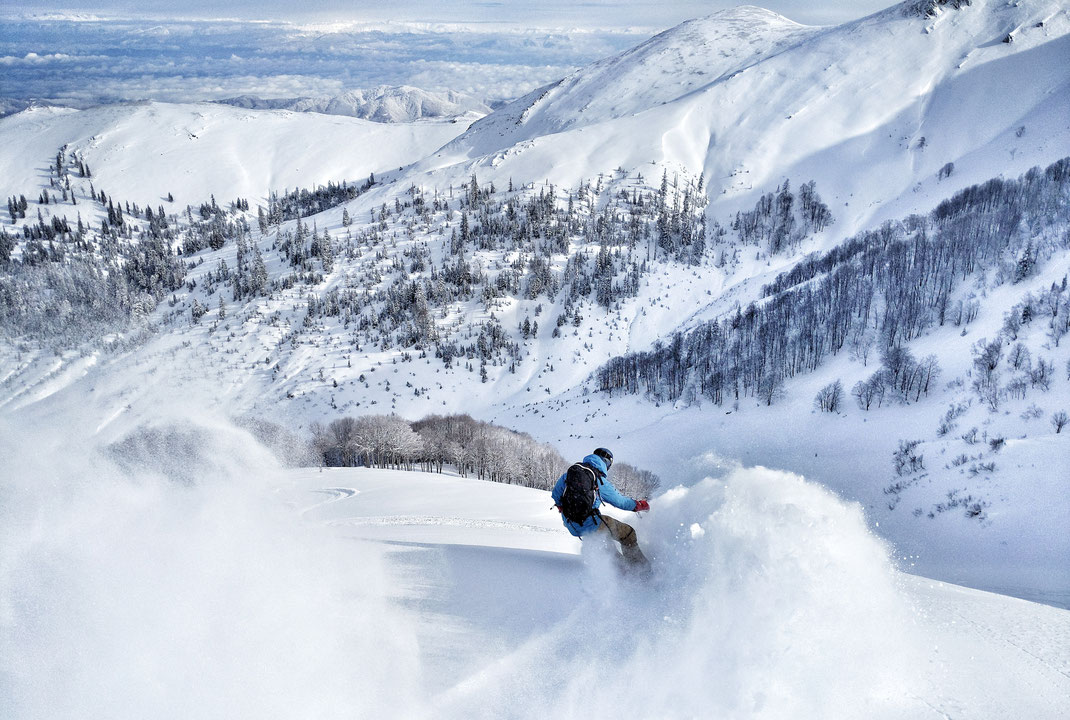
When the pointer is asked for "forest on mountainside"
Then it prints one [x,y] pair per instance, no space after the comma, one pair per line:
[66,282]
[871,295]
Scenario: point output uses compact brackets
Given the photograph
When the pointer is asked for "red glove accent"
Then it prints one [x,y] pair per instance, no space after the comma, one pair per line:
[641,505]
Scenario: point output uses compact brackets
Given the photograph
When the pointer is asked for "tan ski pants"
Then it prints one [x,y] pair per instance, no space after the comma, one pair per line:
[625,535]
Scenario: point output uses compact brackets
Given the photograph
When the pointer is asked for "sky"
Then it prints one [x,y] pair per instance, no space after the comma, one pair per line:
[96,51]
[545,13]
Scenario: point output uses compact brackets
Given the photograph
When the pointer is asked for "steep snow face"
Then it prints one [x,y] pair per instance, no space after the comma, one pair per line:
[664,69]
[380,104]
[144,151]
[872,110]
[848,106]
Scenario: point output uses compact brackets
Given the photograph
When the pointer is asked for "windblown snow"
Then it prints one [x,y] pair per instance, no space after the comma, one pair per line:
[358,593]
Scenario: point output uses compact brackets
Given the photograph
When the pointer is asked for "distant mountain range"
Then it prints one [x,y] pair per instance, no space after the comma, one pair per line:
[381,104]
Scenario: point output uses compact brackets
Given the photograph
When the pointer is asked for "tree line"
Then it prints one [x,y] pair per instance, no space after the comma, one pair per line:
[880,290]
[623,226]
[303,202]
[459,443]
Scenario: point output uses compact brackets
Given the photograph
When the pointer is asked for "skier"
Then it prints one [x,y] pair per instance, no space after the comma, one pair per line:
[578,495]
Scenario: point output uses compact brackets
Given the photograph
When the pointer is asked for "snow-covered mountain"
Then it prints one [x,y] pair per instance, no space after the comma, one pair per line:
[871,110]
[143,151]
[381,104]
[679,252]
[7,106]
[604,209]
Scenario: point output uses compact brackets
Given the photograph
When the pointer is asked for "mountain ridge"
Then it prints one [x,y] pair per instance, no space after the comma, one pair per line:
[793,112]
[383,103]
[146,150]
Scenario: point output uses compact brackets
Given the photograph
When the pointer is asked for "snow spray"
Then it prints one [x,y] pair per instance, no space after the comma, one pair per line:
[771,599]
[167,581]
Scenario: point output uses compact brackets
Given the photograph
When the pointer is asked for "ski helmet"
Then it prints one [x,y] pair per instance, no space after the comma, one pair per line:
[606,455]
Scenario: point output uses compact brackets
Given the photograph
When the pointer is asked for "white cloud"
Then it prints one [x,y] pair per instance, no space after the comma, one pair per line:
[197,60]
[32,58]
[485,80]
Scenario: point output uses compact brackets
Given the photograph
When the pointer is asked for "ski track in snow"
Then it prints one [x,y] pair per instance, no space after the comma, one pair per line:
[1048,642]
[336,494]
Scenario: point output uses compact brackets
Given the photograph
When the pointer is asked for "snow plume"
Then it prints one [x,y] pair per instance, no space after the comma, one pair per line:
[166,580]
[772,600]
[156,574]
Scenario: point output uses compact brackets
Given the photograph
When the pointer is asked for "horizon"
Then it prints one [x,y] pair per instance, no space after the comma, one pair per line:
[556,14]
[91,54]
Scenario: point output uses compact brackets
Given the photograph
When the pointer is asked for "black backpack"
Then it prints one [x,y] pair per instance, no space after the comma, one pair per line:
[581,487]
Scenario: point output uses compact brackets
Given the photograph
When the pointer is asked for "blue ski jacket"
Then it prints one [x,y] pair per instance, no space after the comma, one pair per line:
[606,491]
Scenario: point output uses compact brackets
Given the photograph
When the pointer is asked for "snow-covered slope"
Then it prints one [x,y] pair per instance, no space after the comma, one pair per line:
[764,581]
[348,593]
[141,152]
[871,110]
[677,63]
[380,104]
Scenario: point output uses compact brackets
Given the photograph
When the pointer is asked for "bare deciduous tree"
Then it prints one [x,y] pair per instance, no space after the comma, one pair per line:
[467,445]
[830,397]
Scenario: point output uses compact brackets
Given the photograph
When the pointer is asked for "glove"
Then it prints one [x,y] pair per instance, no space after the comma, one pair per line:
[641,505]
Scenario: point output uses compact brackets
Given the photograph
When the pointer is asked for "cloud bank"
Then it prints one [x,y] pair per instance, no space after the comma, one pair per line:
[81,61]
